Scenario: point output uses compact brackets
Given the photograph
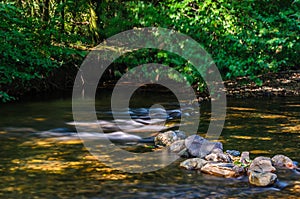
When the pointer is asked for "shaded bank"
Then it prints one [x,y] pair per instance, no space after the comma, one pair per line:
[280,84]
[285,83]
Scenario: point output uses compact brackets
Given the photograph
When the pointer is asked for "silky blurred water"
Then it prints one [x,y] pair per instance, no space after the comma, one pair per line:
[35,167]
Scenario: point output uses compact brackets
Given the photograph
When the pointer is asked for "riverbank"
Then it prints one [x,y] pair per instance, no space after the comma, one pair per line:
[281,84]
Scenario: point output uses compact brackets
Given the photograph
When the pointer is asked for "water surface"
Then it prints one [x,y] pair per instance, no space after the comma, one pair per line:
[35,167]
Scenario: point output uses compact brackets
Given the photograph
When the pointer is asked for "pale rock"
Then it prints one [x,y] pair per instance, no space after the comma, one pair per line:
[218,157]
[167,138]
[283,161]
[262,179]
[193,163]
[199,147]
[227,170]
[262,165]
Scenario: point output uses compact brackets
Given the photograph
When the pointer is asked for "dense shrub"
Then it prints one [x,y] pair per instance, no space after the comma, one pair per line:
[245,38]
[27,54]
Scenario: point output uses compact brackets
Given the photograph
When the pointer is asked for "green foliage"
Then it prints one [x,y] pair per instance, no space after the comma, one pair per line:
[27,53]
[244,38]
[241,164]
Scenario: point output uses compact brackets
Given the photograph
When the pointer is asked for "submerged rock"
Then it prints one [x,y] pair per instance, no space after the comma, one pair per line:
[167,138]
[262,179]
[199,147]
[262,165]
[227,170]
[193,163]
[283,161]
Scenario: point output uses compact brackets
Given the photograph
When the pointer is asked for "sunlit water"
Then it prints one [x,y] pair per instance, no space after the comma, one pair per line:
[35,167]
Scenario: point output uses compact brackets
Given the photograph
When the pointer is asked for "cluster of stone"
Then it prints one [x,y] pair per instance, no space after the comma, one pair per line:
[208,157]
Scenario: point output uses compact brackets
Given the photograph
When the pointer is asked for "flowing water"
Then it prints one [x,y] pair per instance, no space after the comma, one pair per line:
[32,166]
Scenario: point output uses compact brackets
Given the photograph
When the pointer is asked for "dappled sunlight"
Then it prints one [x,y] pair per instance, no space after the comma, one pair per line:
[288,150]
[239,115]
[290,128]
[293,105]
[250,137]
[272,116]
[235,127]
[69,141]
[260,152]
[264,138]
[59,165]
[271,129]
[241,137]
[36,143]
[238,120]
[49,166]
[12,189]
[108,176]
[241,109]
[49,142]
[295,188]
[40,119]
[43,161]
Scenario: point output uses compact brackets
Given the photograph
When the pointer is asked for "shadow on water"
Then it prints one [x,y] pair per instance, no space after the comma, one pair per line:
[43,167]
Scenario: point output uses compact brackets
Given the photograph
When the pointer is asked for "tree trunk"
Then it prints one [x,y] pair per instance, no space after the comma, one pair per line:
[94,24]
[46,15]
[62,28]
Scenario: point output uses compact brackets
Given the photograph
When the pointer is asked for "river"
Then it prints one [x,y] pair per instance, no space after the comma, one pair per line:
[35,167]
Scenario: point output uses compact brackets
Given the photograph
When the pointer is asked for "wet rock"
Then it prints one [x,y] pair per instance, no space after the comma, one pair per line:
[199,147]
[262,179]
[217,150]
[184,153]
[283,161]
[296,163]
[234,153]
[167,138]
[218,157]
[245,158]
[177,146]
[193,163]
[262,165]
[174,114]
[227,170]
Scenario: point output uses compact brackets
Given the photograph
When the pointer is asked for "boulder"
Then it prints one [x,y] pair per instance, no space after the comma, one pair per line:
[199,147]
[283,161]
[262,179]
[193,163]
[167,138]
[262,165]
[227,170]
